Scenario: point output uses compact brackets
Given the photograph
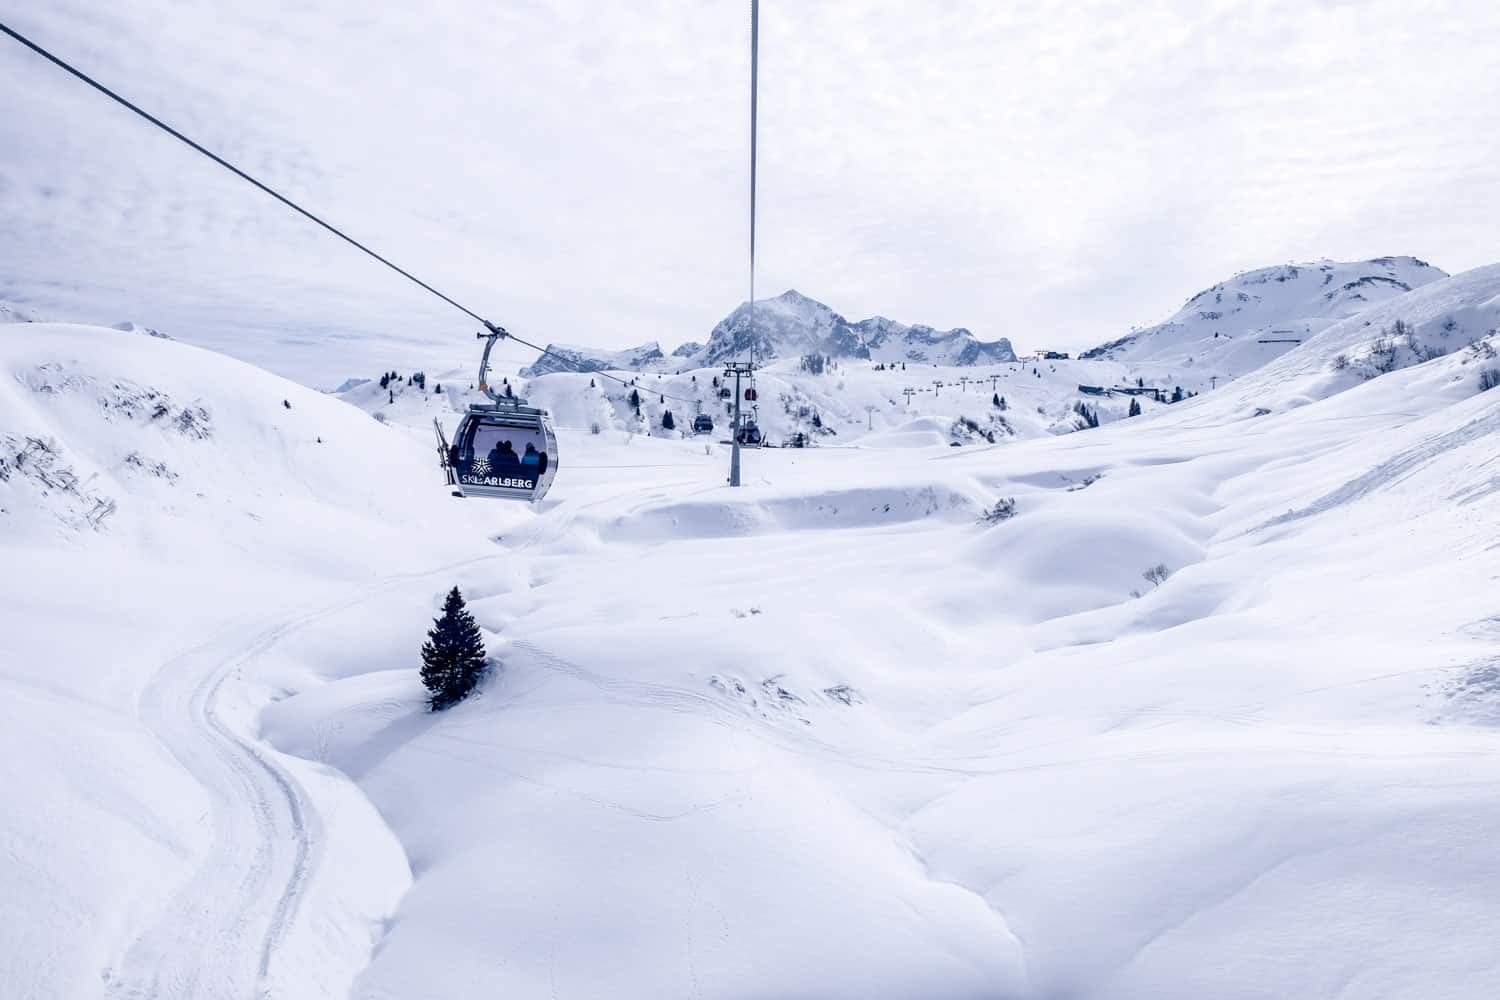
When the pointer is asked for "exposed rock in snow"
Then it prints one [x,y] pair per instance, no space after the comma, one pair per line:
[131,327]
[10,312]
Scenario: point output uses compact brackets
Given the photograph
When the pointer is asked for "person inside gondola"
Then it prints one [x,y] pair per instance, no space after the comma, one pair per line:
[503,459]
[533,462]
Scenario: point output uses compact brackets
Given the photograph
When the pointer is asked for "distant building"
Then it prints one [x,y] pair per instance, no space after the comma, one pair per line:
[1054,355]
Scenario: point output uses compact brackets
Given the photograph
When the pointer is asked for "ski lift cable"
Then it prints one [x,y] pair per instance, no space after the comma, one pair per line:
[754,96]
[122,101]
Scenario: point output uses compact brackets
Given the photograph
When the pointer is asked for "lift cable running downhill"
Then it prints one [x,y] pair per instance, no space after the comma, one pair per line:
[479,416]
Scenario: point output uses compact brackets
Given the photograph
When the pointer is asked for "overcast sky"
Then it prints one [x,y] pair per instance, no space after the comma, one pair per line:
[578,170]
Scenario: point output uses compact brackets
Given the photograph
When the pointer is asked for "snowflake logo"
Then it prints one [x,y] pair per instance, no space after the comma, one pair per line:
[481,467]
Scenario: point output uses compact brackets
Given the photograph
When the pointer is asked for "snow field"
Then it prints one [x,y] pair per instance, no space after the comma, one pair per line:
[825,735]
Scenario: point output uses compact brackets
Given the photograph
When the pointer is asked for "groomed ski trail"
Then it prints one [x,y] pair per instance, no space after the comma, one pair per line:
[219,933]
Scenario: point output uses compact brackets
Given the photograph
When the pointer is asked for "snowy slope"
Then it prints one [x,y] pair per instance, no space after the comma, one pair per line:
[1240,324]
[826,735]
[1451,324]
[164,518]
[848,403]
[830,718]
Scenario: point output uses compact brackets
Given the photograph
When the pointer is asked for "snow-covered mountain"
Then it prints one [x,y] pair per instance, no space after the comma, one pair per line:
[1450,328]
[573,358]
[788,326]
[791,324]
[1241,324]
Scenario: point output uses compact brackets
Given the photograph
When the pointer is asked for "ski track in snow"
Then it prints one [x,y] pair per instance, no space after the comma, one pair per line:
[218,934]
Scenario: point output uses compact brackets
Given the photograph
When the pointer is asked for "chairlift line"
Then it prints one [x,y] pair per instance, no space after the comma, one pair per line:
[472,469]
[492,328]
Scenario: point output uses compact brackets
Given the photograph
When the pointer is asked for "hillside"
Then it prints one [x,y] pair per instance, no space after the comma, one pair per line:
[1238,325]
[158,504]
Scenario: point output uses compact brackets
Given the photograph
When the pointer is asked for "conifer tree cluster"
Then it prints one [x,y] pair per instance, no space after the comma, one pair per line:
[453,658]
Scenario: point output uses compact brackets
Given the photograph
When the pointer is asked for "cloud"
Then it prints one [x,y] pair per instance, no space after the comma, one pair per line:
[577,171]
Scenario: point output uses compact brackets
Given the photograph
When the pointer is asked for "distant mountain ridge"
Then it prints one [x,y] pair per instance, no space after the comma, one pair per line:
[787,326]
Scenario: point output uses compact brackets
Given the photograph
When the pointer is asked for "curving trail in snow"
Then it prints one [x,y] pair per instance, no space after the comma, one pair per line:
[220,932]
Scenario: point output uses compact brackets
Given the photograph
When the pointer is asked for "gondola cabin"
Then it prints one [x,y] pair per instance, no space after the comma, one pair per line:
[504,452]
[703,424]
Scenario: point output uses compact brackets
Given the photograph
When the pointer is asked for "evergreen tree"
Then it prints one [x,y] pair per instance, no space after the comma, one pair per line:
[667,421]
[1135,407]
[453,655]
[995,401]
[635,400]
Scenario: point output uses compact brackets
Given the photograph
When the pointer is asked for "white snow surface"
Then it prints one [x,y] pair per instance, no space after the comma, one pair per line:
[827,735]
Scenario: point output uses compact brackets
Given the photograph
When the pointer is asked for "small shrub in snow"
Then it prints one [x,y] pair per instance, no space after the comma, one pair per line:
[453,660]
[1157,575]
[1003,510]
[594,427]
[1488,379]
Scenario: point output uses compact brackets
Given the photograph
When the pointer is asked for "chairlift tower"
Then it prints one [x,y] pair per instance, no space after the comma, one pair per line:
[738,370]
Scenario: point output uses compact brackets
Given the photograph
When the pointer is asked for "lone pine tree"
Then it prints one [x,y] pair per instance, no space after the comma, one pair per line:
[453,655]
